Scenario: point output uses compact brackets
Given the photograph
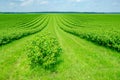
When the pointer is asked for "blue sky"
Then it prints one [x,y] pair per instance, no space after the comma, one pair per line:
[60,5]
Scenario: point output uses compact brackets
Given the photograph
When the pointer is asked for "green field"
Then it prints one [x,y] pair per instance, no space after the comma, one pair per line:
[89,46]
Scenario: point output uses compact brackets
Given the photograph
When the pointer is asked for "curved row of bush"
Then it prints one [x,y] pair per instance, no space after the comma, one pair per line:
[108,38]
[19,32]
[70,23]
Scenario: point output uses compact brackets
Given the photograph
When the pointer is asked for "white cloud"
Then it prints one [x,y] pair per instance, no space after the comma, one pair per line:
[26,2]
[44,2]
[77,0]
[21,0]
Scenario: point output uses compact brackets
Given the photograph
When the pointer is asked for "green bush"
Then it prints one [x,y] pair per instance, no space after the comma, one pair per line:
[44,51]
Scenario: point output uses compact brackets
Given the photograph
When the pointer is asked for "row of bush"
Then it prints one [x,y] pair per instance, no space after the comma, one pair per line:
[109,38]
[15,35]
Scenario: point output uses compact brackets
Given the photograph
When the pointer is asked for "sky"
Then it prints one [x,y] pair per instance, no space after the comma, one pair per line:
[60,5]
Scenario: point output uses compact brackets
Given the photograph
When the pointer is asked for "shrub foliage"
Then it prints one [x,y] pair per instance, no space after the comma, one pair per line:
[44,51]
